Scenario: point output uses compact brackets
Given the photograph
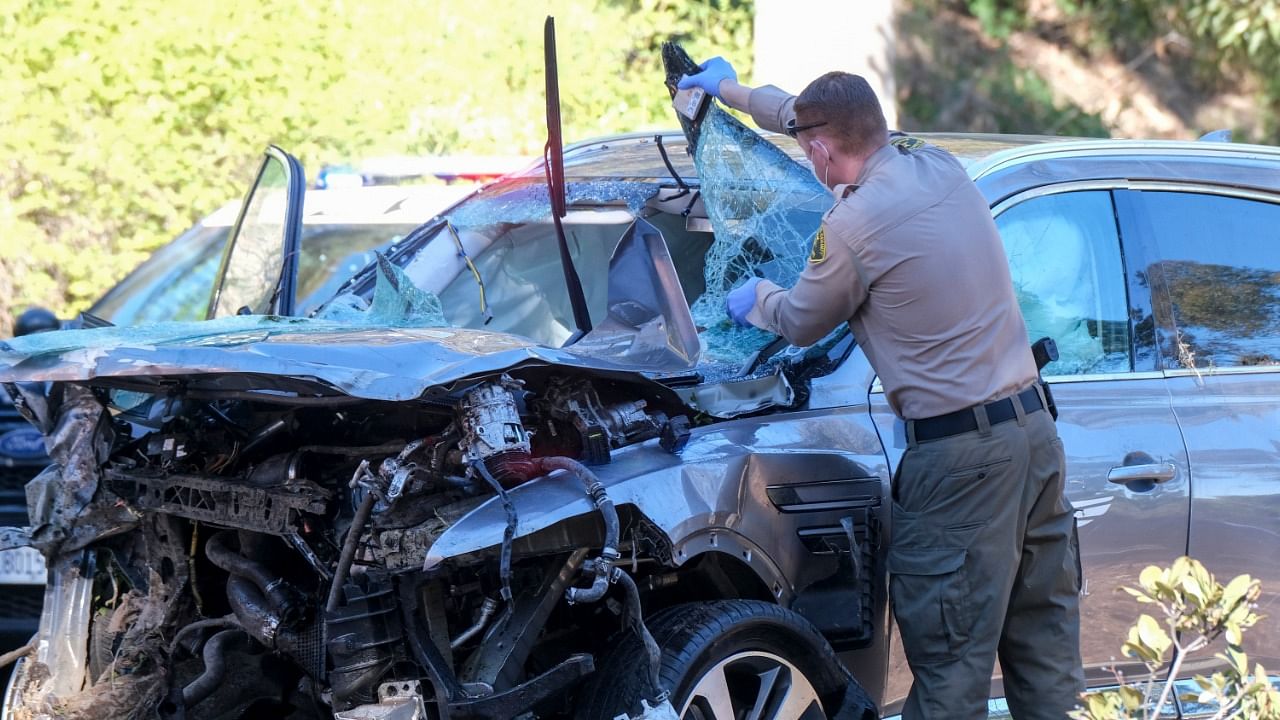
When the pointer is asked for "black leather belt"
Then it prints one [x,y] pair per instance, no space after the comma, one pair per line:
[962,421]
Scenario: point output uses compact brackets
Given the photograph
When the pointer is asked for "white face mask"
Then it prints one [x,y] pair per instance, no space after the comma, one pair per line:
[826,178]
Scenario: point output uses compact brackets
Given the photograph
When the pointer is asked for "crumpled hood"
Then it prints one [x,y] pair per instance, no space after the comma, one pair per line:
[370,362]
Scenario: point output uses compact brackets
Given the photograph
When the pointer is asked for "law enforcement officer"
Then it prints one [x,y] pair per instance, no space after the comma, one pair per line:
[983,558]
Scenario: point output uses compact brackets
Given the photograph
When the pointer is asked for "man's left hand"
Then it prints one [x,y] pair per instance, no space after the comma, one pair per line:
[740,300]
[713,72]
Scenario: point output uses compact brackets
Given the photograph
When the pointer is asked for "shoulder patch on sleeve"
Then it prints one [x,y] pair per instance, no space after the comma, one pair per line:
[818,252]
[906,143]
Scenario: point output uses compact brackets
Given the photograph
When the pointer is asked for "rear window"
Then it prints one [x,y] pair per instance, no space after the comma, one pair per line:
[1068,276]
[1216,280]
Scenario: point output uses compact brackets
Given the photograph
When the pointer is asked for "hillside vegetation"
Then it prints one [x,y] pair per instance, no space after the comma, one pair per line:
[1123,68]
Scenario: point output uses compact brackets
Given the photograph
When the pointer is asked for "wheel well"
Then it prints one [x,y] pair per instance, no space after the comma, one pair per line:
[712,575]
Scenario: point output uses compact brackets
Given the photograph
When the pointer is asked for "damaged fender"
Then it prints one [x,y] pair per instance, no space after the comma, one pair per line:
[714,497]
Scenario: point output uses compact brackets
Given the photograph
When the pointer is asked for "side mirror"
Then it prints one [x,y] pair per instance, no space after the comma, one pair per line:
[35,320]
[260,265]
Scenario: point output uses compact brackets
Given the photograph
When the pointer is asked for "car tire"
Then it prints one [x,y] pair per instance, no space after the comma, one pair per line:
[719,659]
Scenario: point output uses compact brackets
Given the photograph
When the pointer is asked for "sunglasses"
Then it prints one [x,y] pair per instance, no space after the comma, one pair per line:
[793,129]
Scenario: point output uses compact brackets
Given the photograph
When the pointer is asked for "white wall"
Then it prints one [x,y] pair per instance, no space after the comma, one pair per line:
[798,40]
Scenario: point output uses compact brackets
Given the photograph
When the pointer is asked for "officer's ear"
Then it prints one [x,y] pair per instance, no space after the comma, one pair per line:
[823,146]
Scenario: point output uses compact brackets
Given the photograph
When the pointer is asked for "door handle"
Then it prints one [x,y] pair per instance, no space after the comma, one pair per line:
[1152,473]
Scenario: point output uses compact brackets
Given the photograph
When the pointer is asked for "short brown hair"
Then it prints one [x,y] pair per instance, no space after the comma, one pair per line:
[848,105]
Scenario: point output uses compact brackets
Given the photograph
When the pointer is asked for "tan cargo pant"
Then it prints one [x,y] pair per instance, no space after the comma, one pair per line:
[984,560]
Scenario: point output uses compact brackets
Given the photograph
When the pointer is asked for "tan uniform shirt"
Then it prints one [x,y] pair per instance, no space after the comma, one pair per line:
[910,257]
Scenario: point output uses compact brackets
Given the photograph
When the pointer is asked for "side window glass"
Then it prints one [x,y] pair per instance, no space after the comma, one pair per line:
[1215,281]
[1065,261]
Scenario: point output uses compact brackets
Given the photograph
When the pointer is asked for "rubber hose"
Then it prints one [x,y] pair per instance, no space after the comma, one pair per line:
[594,489]
[599,585]
[272,586]
[349,547]
[251,608]
[634,614]
[508,534]
[609,553]
[215,668]
[225,623]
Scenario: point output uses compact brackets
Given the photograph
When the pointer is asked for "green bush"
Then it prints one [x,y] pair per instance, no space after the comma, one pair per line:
[124,121]
[1193,610]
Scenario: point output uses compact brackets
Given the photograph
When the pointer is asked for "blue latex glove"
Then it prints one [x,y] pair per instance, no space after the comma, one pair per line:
[714,71]
[740,300]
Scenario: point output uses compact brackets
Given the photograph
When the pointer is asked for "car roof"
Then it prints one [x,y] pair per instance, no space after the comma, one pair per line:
[361,205]
[1235,165]
[1002,165]
[636,156]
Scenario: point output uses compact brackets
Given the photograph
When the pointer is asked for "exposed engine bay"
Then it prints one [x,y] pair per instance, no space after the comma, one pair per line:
[284,543]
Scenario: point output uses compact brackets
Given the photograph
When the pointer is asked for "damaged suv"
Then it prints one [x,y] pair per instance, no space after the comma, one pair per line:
[523,466]
[441,496]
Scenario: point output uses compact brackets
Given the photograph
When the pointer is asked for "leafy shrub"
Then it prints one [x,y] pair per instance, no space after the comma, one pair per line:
[126,120]
[1195,611]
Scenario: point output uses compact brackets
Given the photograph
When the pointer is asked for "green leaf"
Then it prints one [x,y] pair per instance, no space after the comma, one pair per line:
[1234,32]
[1234,635]
[1132,698]
[1151,575]
[1239,661]
[1236,590]
[1153,635]
[1138,595]
[1193,588]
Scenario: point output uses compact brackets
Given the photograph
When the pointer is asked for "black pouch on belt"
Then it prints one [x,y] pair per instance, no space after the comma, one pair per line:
[1045,351]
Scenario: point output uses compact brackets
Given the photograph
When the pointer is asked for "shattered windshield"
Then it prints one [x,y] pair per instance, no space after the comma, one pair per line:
[493,262]
[765,209]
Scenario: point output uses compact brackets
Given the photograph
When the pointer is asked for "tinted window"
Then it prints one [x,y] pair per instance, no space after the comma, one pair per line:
[332,253]
[256,260]
[173,284]
[1216,279]
[1064,256]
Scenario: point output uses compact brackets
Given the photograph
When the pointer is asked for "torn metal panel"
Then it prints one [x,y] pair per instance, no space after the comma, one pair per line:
[30,402]
[649,323]
[66,509]
[12,538]
[712,497]
[55,683]
[740,397]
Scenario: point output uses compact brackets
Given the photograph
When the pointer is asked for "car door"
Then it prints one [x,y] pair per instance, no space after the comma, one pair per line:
[1116,422]
[259,267]
[1214,269]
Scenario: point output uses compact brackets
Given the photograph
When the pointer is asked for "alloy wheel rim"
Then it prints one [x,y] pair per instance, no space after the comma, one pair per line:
[752,685]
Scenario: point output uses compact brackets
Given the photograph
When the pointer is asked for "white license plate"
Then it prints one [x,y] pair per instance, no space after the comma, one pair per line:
[22,566]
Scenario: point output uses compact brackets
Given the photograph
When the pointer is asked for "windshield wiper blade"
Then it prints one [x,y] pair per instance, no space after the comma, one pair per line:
[553,159]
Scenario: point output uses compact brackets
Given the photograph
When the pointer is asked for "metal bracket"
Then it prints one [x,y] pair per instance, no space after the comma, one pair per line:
[511,703]
[501,656]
